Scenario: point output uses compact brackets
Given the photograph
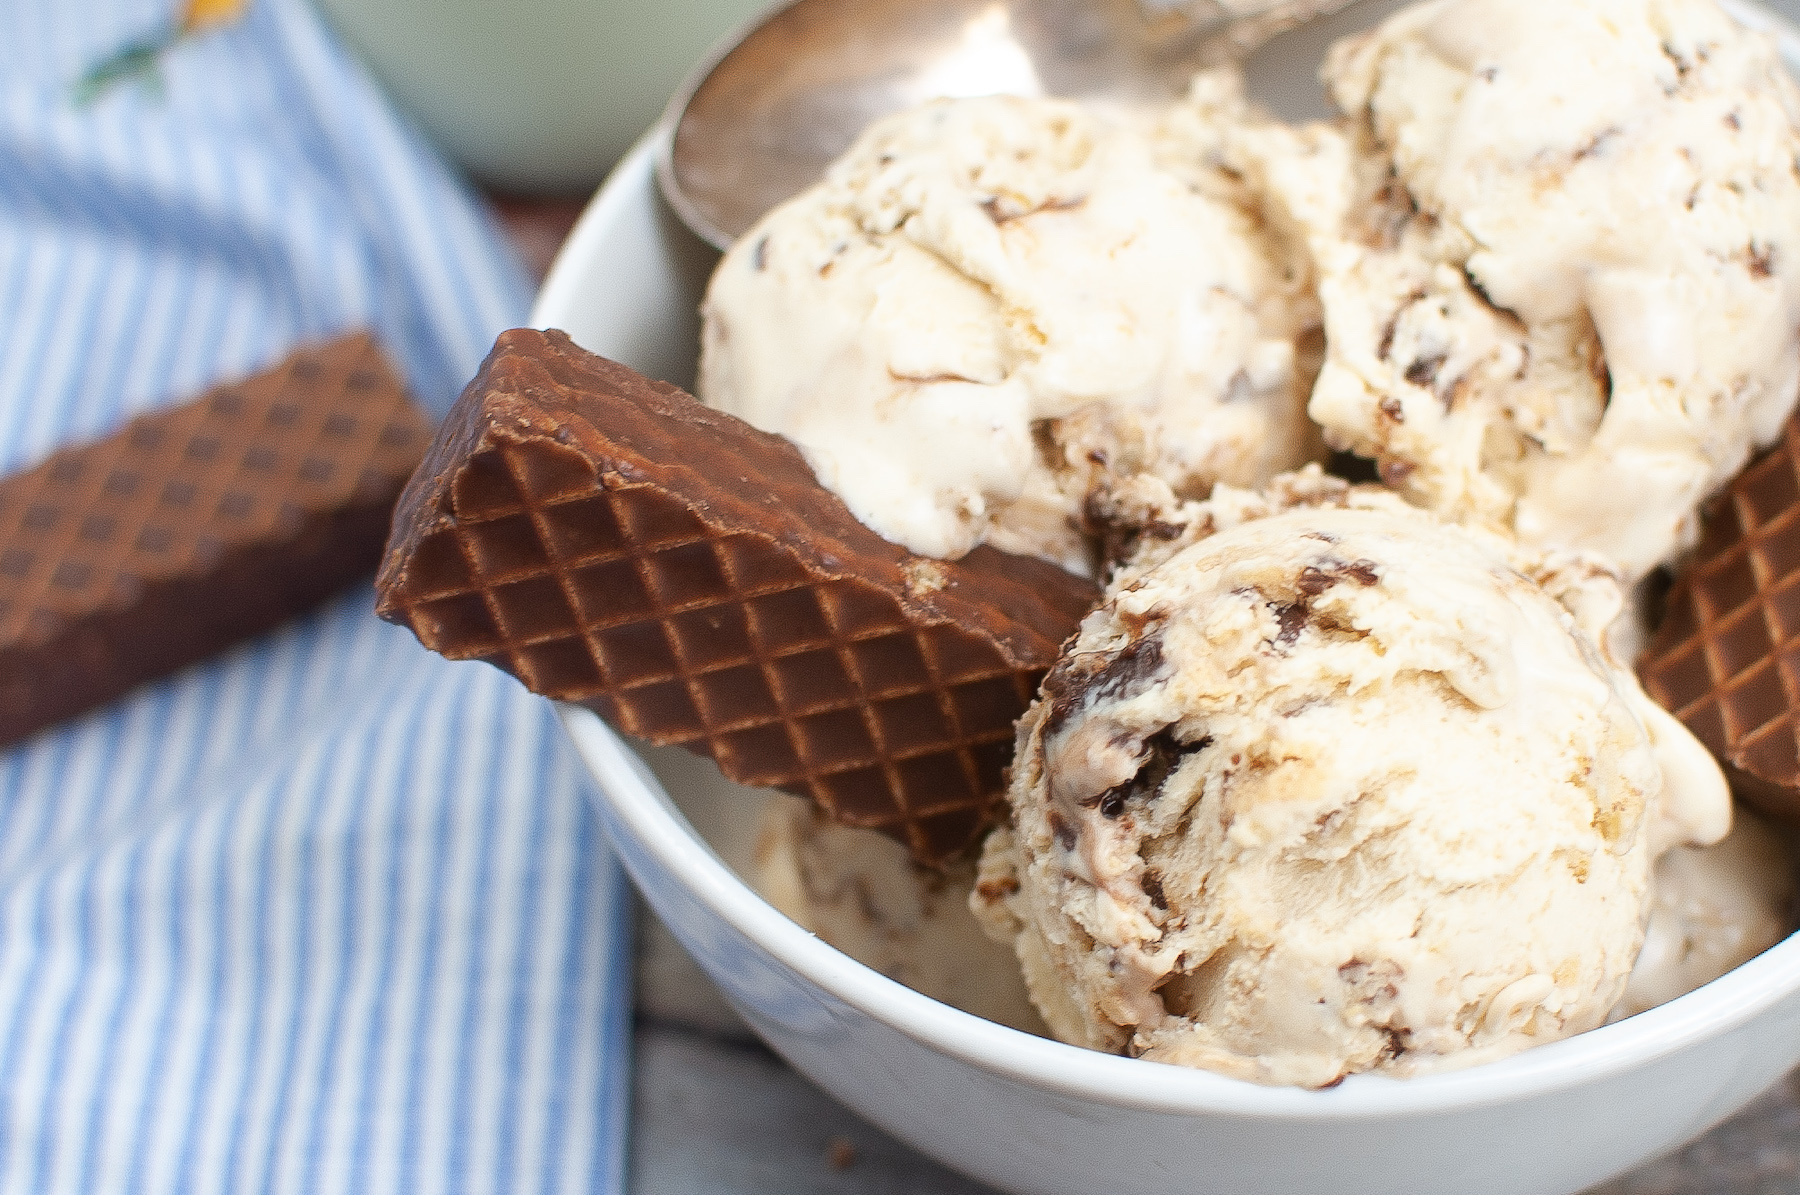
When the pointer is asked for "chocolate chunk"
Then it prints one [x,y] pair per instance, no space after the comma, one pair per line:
[1424,370]
[195,526]
[1162,753]
[611,541]
[1327,571]
[1290,619]
[1152,884]
[1080,680]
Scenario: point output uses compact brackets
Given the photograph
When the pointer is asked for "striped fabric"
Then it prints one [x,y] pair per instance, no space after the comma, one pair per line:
[326,913]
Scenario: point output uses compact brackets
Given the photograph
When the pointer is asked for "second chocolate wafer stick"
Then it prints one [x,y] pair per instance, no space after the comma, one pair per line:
[195,526]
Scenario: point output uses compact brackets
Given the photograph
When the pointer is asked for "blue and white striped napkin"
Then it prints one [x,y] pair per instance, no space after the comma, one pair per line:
[326,913]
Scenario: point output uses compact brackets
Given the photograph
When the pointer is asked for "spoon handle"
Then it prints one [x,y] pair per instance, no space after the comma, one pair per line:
[1228,29]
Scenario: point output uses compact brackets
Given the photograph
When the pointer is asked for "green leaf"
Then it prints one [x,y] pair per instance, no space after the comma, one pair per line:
[134,61]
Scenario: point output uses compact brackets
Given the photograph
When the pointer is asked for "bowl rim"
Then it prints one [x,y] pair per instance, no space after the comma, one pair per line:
[638,801]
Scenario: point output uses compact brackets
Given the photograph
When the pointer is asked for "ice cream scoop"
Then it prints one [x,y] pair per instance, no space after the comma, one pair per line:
[1331,790]
[991,306]
[1558,247]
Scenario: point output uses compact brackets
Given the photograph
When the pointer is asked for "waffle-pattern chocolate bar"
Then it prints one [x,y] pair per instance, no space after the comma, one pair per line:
[611,541]
[1726,659]
[195,526]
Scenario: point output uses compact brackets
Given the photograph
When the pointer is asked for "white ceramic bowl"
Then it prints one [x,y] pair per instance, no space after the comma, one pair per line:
[1034,1116]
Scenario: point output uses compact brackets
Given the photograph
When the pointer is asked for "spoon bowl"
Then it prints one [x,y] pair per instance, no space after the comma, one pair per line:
[760,121]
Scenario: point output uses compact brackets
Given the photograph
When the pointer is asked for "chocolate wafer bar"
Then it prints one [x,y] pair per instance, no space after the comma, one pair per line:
[1726,658]
[609,540]
[195,526]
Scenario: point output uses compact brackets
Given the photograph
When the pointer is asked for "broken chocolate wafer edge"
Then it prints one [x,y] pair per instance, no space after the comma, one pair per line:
[1725,659]
[195,526]
[611,541]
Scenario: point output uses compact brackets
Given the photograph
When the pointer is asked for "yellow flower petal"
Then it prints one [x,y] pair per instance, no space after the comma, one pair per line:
[204,14]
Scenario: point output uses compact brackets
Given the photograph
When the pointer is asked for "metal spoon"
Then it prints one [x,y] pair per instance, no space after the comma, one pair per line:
[761,120]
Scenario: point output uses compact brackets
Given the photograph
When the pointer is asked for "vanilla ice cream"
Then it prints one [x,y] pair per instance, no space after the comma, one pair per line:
[1558,248]
[861,892]
[1332,789]
[1713,908]
[990,306]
